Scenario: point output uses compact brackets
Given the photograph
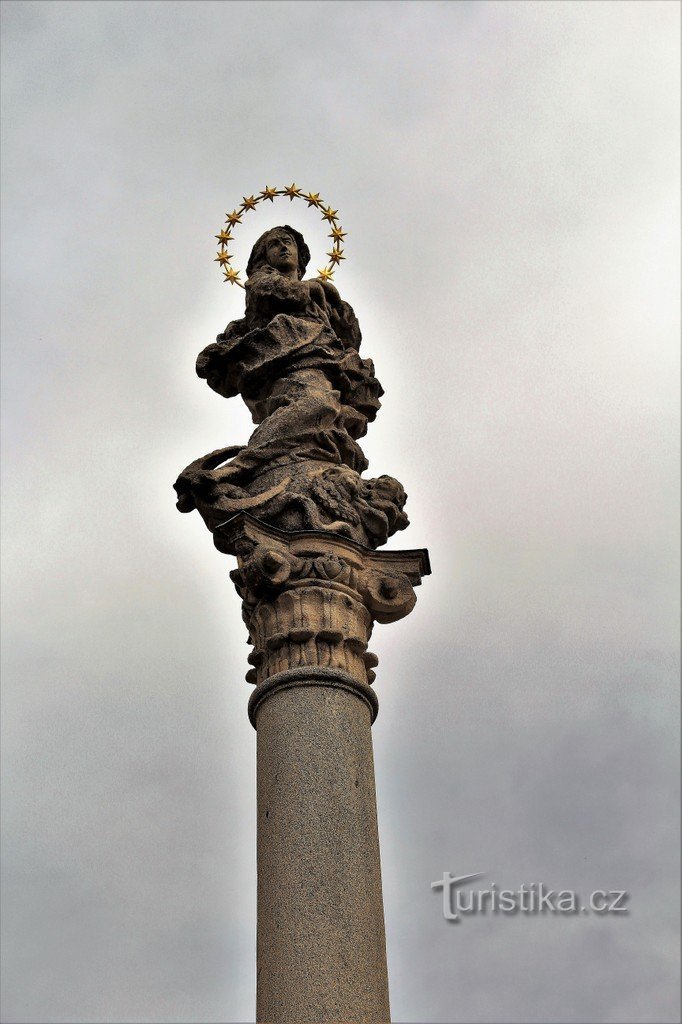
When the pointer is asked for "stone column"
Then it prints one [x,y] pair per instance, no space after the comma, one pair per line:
[310,600]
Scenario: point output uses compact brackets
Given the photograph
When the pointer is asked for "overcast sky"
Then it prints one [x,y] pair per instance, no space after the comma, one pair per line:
[507,174]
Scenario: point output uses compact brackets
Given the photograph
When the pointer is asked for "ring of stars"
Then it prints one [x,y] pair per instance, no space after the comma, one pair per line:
[313,199]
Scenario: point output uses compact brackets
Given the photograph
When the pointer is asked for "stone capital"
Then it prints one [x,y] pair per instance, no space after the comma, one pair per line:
[310,600]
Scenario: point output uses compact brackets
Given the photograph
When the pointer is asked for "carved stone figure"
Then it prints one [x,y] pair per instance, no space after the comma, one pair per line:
[304,524]
[294,358]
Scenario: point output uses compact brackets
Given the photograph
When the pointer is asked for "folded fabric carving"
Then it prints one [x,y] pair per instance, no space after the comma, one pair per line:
[294,359]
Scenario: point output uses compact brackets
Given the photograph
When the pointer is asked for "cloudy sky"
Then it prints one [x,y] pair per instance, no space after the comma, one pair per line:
[508,176]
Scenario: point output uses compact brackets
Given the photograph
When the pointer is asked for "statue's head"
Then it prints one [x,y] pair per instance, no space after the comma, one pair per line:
[282,248]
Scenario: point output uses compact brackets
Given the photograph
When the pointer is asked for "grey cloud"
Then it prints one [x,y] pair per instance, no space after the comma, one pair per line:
[508,176]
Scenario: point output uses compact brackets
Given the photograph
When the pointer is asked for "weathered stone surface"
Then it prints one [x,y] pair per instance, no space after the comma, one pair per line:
[304,524]
[311,599]
[321,947]
[294,359]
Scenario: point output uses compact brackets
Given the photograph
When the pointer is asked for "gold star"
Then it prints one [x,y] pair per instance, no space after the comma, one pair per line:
[224,237]
[329,214]
[231,275]
[313,198]
[249,203]
[234,218]
[292,191]
[337,234]
[336,255]
[326,274]
[269,193]
[223,257]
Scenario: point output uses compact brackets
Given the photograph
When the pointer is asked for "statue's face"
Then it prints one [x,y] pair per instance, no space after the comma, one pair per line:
[282,252]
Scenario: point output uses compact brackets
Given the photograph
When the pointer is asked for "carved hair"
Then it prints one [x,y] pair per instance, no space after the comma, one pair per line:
[258,257]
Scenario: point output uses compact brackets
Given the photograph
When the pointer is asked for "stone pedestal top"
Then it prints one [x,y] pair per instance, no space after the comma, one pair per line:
[310,601]
[275,556]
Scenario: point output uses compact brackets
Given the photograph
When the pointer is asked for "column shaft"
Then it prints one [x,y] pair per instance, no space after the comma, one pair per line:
[321,941]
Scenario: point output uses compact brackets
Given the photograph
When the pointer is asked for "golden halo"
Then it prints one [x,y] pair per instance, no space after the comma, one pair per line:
[294,192]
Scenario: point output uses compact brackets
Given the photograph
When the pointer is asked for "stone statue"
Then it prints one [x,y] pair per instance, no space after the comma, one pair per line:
[294,358]
[304,525]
